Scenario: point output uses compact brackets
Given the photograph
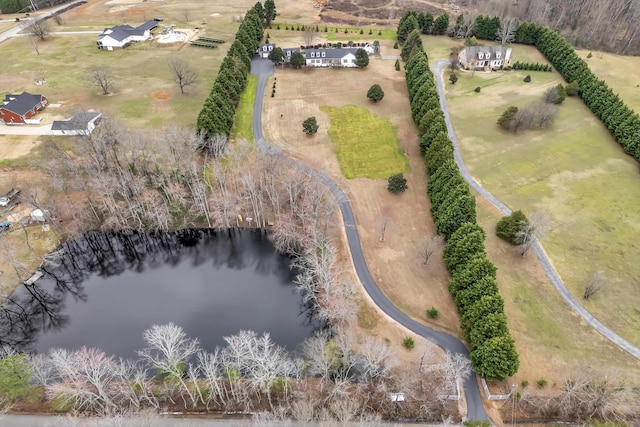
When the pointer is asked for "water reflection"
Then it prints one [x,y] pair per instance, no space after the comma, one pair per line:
[105,289]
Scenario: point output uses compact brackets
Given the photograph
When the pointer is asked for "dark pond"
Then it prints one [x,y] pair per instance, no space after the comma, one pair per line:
[104,290]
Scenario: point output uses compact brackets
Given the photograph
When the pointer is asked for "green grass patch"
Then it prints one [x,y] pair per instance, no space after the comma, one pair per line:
[366,146]
[243,128]
[574,169]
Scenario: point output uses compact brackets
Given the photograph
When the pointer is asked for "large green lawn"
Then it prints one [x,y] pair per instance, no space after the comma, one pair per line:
[243,128]
[574,169]
[366,146]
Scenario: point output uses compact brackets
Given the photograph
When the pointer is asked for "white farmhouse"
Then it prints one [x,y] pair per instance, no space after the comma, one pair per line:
[341,57]
[121,36]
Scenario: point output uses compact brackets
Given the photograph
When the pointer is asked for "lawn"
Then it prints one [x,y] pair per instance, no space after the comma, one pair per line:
[243,128]
[366,146]
[615,70]
[574,170]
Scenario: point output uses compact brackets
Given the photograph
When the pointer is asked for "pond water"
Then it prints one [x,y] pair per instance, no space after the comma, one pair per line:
[103,290]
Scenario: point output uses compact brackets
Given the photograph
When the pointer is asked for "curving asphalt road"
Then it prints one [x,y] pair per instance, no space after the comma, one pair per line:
[475,411]
[544,260]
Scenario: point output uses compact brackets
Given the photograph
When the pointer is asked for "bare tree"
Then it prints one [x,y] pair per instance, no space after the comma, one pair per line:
[551,96]
[34,44]
[522,120]
[38,28]
[595,285]
[507,31]
[308,35]
[544,114]
[431,245]
[168,351]
[57,18]
[101,77]
[186,13]
[536,228]
[183,74]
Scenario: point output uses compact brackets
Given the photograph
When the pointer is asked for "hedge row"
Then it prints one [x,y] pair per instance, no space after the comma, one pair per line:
[216,116]
[529,66]
[473,284]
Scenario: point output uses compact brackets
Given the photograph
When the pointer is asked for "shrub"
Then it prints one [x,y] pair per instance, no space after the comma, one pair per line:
[572,88]
[395,45]
[379,32]
[453,78]
[397,65]
[326,29]
[375,93]
[542,383]
[370,32]
[505,119]
[397,183]
[433,313]
[361,31]
[408,342]
[525,384]
[590,55]
[310,126]
[509,226]
[477,89]
[472,41]
[527,79]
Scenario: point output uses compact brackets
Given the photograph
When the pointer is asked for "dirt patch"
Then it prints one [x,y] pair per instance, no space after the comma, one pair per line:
[161,95]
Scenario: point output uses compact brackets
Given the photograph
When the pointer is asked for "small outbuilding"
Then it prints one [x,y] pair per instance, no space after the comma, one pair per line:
[265,49]
[81,124]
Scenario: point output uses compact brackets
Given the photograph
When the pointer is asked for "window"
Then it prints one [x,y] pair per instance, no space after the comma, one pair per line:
[313,54]
[288,53]
[270,48]
[498,55]
[480,55]
[323,54]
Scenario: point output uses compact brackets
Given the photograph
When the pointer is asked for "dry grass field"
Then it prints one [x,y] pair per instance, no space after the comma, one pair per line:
[396,263]
[578,173]
[619,73]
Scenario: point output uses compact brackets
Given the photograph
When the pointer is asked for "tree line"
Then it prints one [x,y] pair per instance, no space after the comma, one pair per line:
[327,378]
[473,284]
[612,25]
[216,117]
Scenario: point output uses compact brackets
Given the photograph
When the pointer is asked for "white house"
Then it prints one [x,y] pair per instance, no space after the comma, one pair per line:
[81,124]
[121,36]
[265,49]
[342,57]
[487,57]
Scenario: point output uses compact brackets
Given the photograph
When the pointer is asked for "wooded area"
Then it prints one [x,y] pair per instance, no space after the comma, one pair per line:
[606,25]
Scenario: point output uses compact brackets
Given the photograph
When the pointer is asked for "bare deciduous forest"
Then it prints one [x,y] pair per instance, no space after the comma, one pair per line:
[606,25]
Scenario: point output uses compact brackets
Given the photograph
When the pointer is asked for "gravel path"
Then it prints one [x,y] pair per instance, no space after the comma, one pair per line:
[475,411]
[544,260]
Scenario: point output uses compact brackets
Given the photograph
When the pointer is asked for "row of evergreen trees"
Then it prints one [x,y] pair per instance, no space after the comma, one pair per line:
[620,120]
[216,116]
[424,22]
[473,284]
[530,66]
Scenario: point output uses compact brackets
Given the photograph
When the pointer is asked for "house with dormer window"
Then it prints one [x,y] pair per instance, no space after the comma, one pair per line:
[484,57]
[265,49]
[341,57]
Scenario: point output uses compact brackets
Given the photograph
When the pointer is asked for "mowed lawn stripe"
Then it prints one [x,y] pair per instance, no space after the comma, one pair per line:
[243,128]
[366,146]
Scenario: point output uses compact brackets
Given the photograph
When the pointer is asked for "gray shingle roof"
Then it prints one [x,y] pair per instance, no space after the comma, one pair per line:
[22,103]
[472,51]
[78,122]
[149,25]
[330,53]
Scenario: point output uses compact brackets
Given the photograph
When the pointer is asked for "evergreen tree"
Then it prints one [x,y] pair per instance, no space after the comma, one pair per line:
[362,58]
[269,12]
[441,24]
[412,43]
[407,24]
[375,93]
